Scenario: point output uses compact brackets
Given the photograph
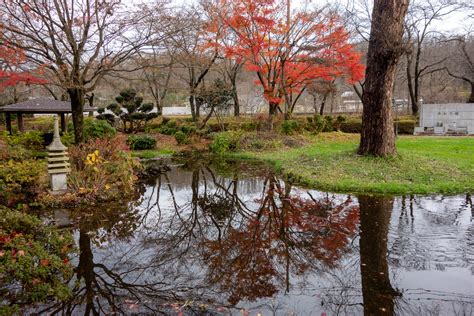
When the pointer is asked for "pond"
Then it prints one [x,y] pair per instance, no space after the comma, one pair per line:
[235,239]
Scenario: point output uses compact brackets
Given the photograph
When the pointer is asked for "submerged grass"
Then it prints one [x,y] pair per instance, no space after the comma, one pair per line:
[423,165]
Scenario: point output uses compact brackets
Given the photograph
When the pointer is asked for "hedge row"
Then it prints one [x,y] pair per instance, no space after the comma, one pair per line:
[355,126]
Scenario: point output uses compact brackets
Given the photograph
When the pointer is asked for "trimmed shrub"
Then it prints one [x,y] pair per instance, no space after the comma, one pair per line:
[188,129]
[171,123]
[338,122]
[406,126]
[352,125]
[181,138]
[31,140]
[223,142]
[131,110]
[68,139]
[97,129]
[288,127]
[21,180]
[141,142]
[166,130]
[315,124]
[168,127]
[204,132]
[248,126]
[328,124]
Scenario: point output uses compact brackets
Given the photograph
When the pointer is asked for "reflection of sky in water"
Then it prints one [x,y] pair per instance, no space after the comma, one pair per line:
[429,244]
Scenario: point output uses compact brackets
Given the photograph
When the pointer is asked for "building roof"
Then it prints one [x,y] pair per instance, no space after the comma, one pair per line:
[42,106]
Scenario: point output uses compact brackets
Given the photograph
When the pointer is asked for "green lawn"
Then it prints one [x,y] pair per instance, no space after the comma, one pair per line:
[423,165]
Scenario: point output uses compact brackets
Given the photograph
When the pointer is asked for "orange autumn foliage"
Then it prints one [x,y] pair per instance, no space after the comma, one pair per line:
[10,73]
[287,54]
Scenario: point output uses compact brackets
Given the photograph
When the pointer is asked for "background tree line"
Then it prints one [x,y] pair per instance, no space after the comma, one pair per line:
[263,52]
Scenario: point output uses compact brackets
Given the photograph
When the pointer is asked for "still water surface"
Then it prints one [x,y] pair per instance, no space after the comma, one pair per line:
[235,239]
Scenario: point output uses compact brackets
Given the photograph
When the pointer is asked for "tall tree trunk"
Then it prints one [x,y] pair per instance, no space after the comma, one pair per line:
[77,105]
[377,291]
[193,107]
[272,108]
[410,82]
[295,100]
[207,117]
[159,107]
[385,49]
[415,106]
[315,103]
[471,97]
[235,97]
[90,99]
[413,85]
[198,107]
[323,103]
[271,113]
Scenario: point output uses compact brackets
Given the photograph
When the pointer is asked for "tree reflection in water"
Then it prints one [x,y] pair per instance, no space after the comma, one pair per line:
[378,294]
[98,289]
[286,234]
[202,242]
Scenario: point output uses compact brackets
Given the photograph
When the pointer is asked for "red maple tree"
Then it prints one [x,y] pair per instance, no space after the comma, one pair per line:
[288,52]
[11,73]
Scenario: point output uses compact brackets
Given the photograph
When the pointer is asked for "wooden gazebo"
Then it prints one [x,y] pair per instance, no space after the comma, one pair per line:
[38,106]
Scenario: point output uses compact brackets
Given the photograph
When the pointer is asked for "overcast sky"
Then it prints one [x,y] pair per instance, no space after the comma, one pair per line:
[455,22]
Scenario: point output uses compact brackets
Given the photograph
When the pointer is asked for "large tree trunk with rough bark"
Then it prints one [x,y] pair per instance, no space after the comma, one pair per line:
[385,49]
[77,106]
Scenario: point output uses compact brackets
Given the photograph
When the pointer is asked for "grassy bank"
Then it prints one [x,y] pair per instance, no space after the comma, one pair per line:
[150,154]
[423,165]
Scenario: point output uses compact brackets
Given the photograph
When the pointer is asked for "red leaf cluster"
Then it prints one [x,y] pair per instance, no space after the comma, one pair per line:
[10,74]
[287,53]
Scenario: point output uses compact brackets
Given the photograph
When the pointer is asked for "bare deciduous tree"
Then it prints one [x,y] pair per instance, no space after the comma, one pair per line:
[192,57]
[418,29]
[461,65]
[321,89]
[77,42]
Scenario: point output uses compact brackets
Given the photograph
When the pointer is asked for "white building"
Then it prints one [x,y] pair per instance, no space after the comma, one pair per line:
[451,118]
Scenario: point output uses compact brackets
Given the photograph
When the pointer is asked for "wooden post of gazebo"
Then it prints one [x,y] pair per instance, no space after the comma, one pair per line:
[8,122]
[63,123]
[21,125]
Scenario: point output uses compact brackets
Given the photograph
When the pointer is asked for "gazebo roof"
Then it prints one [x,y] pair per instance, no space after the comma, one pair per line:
[42,106]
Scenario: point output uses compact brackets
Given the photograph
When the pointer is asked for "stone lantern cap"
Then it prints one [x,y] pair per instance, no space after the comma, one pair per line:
[56,144]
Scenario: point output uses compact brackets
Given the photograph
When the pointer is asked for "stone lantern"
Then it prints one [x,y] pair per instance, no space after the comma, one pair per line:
[58,161]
